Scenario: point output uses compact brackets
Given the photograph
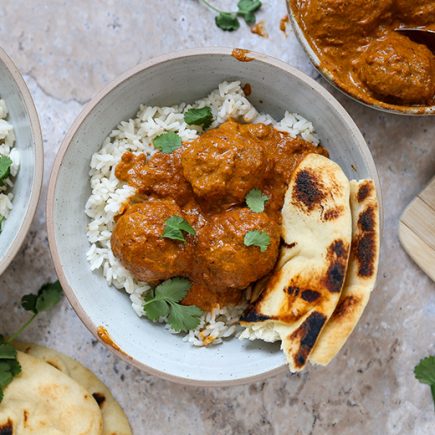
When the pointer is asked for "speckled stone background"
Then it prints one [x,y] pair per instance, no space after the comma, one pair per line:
[66,51]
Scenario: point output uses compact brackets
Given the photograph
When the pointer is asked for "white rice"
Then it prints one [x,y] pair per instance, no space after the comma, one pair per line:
[108,193]
[7,142]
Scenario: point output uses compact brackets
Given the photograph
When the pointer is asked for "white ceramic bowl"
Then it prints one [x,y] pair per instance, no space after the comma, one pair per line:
[27,187]
[183,76]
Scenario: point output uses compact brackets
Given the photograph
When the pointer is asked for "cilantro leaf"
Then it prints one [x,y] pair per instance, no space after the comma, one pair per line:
[184,318]
[5,167]
[202,116]
[247,9]
[7,351]
[156,309]
[174,289]
[48,296]
[174,227]
[425,370]
[257,238]
[425,373]
[256,200]
[167,142]
[2,219]
[163,302]
[227,21]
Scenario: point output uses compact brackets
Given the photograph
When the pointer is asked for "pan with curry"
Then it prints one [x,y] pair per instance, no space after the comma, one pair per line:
[360,50]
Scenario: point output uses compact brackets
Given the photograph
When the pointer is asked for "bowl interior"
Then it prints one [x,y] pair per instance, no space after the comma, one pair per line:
[328,75]
[171,80]
[22,116]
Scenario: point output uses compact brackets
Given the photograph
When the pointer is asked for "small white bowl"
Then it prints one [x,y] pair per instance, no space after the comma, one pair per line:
[27,186]
[168,80]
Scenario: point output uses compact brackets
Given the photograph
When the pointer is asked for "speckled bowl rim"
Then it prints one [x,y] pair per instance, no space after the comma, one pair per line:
[69,291]
[35,192]
[329,77]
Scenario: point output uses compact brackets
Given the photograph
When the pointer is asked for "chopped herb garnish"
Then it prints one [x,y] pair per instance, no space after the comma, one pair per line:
[174,227]
[202,116]
[2,218]
[167,142]
[256,200]
[257,238]
[47,297]
[163,302]
[5,167]
[425,373]
[247,9]
[227,20]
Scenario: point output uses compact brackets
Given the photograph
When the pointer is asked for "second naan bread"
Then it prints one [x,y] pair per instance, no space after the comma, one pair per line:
[361,273]
[305,287]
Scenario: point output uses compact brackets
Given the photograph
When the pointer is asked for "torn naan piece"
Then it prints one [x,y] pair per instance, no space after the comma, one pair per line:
[361,273]
[115,421]
[43,400]
[305,287]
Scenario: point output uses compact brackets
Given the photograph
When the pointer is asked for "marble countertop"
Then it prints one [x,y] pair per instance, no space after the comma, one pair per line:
[66,52]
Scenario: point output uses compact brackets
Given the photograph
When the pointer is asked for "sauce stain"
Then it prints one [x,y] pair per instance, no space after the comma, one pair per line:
[283,24]
[241,55]
[104,336]
[247,89]
[260,29]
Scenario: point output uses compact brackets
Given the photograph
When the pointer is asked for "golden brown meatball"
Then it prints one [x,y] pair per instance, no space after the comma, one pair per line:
[416,11]
[225,163]
[161,175]
[397,68]
[334,22]
[138,243]
[222,259]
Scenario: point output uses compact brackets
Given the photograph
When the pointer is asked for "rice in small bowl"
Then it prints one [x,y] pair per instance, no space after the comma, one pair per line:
[80,243]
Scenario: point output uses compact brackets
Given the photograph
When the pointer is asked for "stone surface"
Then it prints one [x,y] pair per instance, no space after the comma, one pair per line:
[67,51]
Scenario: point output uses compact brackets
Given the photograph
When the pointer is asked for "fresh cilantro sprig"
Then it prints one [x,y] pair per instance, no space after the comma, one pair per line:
[227,20]
[163,302]
[257,238]
[5,167]
[425,373]
[174,228]
[256,200]
[202,116]
[46,298]
[167,142]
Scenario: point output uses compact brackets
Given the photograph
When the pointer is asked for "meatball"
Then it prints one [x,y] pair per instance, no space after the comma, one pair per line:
[138,243]
[162,175]
[223,261]
[335,22]
[225,163]
[399,69]
[417,11]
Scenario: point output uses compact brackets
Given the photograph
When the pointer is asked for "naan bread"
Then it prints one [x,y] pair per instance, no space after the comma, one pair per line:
[305,287]
[42,400]
[361,273]
[114,420]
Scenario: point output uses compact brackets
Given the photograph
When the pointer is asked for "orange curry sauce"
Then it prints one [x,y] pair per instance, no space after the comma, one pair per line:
[206,181]
[357,43]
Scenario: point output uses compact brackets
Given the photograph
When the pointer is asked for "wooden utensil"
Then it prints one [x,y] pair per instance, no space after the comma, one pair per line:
[417,229]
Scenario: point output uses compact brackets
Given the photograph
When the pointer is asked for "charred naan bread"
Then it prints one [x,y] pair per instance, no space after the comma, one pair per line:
[43,400]
[114,419]
[305,287]
[361,273]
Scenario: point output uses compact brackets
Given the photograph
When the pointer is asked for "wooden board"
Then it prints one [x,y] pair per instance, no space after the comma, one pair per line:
[417,229]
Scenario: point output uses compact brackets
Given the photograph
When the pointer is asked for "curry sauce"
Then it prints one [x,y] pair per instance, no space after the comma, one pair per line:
[357,44]
[205,182]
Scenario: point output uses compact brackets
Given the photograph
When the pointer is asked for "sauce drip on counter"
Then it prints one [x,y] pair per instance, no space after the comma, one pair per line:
[206,182]
[356,43]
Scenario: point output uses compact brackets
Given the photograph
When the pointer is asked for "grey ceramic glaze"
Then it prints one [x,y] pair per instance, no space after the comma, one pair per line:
[22,115]
[168,80]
